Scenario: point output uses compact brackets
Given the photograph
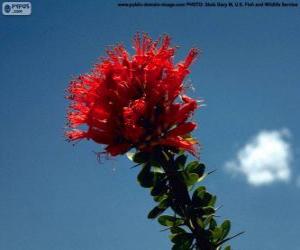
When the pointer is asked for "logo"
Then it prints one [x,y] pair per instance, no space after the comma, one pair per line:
[16,8]
[7,8]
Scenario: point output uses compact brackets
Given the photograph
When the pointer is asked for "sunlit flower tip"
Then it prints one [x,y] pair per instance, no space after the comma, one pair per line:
[131,101]
[191,57]
[75,134]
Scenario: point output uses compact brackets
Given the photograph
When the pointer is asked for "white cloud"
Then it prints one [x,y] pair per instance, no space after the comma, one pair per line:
[265,159]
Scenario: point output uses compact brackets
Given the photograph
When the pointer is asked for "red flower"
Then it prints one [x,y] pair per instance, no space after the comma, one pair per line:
[134,101]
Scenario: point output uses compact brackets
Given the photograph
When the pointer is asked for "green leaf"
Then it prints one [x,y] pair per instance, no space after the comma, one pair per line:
[202,177]
[190,179]
[180,151]
[209,210]
[160,208]
[217,234]
[165,203]
[154,163]
[196,168]
[130,155]
[213,224]
[156,169]
[198,194]
[200,223]
[160,158]
[180,161]
[182,238]
[141,157]
[201,198]
[179,247]
[155,212]
[212,201]
[159,198]
[225,228]
[207,220]
[146,177]
[177,208]
[183,241]
[177,230]
[200,189]
[169,221]
[227,248]
[193,173]
[160,185]
[159,190]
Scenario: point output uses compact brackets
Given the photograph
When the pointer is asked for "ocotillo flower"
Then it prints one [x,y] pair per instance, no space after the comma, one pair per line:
[134,101]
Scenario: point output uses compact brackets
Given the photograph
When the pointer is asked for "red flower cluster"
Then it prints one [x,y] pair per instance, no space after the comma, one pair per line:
[134,101]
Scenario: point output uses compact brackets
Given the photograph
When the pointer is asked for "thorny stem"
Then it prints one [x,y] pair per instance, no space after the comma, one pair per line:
[183,201]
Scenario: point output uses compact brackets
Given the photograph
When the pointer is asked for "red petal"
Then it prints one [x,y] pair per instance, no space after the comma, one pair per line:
[186,109]
[178,142]
[74,135]
[100,136]
[182,129]
[191,57]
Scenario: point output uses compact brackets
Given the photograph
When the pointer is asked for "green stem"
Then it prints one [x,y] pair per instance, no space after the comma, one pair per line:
[183,200]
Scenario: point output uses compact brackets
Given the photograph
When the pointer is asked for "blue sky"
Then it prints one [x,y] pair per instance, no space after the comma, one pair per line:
[55,196]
